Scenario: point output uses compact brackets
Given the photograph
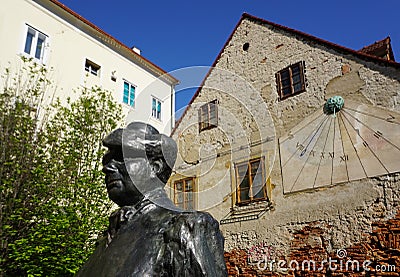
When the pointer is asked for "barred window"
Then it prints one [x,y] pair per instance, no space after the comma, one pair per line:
[208,115]
[291,80]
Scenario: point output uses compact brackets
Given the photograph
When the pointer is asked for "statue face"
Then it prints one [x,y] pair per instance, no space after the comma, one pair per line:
[122,175]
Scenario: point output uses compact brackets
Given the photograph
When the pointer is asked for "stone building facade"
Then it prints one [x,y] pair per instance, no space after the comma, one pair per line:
[288,175]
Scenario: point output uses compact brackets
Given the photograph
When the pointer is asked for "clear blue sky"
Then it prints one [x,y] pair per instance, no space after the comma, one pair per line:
[179,33]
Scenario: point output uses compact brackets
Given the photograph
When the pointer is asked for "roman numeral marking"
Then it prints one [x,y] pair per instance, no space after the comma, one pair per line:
[390,118]
[344,158]
[378,134]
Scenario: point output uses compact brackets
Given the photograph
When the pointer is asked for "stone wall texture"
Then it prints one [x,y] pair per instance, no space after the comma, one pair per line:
[379,251]
[359,216]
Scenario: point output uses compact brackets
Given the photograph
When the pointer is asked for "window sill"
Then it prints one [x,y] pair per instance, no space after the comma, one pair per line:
[281,98]
[250,205]
[155,119]
[24,55]
[128,106]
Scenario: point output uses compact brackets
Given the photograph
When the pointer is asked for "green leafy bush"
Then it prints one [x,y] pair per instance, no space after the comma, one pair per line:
[52,195]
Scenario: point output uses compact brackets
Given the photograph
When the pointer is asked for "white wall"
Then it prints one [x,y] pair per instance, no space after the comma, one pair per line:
[66,51]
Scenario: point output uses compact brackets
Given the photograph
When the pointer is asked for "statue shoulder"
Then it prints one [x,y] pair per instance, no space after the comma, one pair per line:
[195,220]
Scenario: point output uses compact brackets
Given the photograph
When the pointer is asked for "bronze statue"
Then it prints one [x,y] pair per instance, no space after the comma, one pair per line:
[149,235]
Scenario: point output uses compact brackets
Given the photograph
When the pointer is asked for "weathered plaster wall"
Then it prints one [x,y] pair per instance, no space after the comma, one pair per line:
[345,212]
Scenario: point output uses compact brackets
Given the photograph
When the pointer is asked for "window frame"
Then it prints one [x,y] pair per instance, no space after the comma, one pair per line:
[184,203]
[130,86]
[155,113]
[249,175]
[36,36]
[281,87]
[205,118]
[92,67]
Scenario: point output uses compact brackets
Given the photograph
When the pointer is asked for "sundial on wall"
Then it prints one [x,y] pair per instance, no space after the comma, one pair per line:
[341,142]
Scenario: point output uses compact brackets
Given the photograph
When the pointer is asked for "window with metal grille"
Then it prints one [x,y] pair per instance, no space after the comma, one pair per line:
[291,80]
[208,115]
[183,193]
[250,181]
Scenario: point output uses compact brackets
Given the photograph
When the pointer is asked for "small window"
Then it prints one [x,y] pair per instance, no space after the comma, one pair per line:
[183,193]
[291,80]
[208,115]
[129,94]
[35,44]
[250,181]
[92,68]
[156,108]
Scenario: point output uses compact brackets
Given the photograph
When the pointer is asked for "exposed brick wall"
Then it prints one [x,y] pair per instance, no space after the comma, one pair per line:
[381,247]
[238,266]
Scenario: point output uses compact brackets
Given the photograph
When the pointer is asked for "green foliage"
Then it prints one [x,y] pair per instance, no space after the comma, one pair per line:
[52,195]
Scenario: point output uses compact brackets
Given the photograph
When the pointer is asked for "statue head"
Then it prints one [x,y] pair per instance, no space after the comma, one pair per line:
[139,161]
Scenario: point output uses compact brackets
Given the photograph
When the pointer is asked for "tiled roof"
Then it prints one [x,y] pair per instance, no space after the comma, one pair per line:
[381,48]
[328,44]
[145,62]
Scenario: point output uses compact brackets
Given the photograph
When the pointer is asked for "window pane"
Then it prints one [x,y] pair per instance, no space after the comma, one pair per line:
[259,193]
[158,109]
[214,121]
[296,78]
[126,93]
[132,96]
[188,186]
[189,205]
[285,74]
[93,70]
[178,186]
[39,47]
[244,195]
[254,167]
[258,186]
[285,83]
[179,197]
[245,182]
[287,91]
[28,42]
[297,87]
[295,69]
[153,107]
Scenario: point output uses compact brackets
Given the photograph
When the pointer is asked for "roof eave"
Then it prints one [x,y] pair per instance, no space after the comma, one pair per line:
[108,40]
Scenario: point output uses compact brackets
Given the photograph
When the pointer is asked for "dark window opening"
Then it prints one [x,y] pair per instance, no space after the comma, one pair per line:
[291,80]
[92,68]
[208,115]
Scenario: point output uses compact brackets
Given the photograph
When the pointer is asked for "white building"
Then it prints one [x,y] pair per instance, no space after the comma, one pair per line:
[79,54]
